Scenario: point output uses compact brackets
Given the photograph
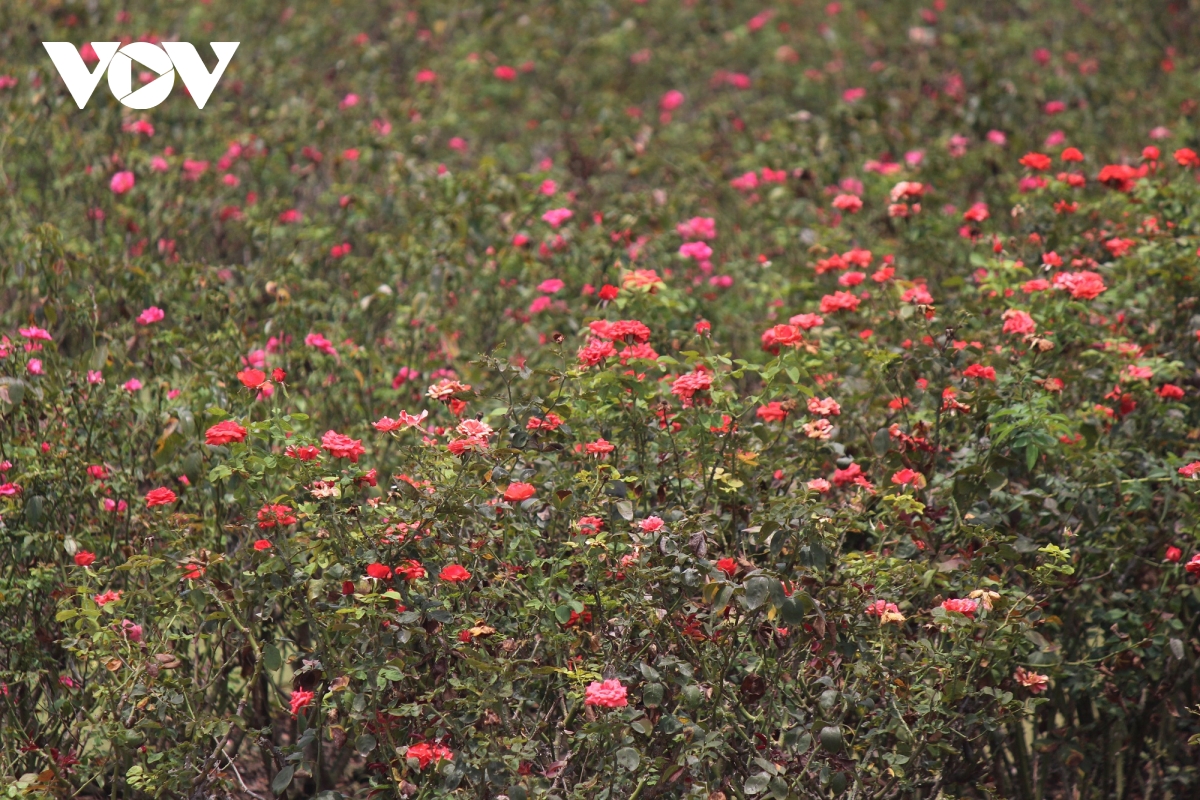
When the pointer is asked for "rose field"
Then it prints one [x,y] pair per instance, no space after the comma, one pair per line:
[603,400]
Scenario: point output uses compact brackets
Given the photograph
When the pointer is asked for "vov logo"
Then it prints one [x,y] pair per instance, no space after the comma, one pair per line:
[164,61]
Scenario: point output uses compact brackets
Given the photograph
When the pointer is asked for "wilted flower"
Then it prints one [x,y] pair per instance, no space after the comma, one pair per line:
[885,611]
[1035,682]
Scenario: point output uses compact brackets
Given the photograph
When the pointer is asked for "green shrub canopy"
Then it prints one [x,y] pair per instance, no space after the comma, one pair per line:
[642,399]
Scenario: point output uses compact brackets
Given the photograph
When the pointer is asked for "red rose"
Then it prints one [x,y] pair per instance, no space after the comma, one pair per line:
[411,571]
[518,492]
[84,559]
[341,446]
[271,515]
[161,496]
[379,572]
[252,378]
[224,433]
[453,573]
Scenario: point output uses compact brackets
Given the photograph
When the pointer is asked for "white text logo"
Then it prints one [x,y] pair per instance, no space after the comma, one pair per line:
[164,61]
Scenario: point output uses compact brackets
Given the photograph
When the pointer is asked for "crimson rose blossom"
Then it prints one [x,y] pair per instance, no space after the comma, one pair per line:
[980,371]
[772,412]
[600,447]
[308,452]
[839,301]
[225,432]
[299,699]
[411,571]
[342,446]
[104,598]
[161,496]
[592,525]
[84,559]
[379,572]
[1017,321]
[454,573]
[271,515]
[1169,391]
[252,378]
[519,492]
[425,754]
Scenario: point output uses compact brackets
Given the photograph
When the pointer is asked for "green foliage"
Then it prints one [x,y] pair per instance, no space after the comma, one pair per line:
[921,547]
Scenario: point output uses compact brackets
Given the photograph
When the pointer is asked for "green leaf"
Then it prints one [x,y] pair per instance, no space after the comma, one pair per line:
[625,509]
[283,779]
[365,744]
[34,509]
[1031,456]
[272,660]
[652,695]
[995,480]
[796,607]
[12,391]
[628,758]
[757,590]
[756,783]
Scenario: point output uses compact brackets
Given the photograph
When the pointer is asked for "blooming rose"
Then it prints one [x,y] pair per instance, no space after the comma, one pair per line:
[453,573]
[299,699]
[271,515]
[425,754]
[380,572]
[518,492]
[961,605]
[1017,321]
[651,524]
[122,182]
[150,316]
[225,432]
[342,446]
[411,570]
[161,496]
[252,378]
[606,694]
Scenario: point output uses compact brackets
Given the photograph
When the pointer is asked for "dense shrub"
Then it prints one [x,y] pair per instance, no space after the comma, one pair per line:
[581,400]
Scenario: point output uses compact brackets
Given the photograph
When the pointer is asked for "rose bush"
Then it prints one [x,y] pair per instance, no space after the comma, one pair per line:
[647,400]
